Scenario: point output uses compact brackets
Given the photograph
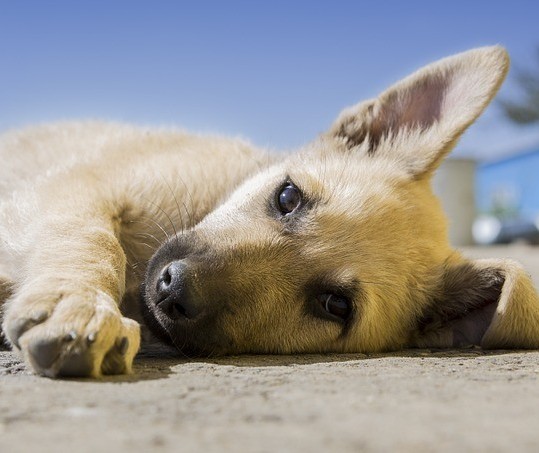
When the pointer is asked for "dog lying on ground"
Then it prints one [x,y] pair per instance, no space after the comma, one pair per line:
[339,247]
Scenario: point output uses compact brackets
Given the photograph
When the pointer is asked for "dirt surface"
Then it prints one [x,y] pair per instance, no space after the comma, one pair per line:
[409,401]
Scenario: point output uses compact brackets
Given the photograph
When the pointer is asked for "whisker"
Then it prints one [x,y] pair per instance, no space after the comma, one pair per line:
[382,284]
[150,236]
[149,225]
[191,202]
[171,222]
[157,224]
[180,349]
[165,180]
[134,267]
[147,245]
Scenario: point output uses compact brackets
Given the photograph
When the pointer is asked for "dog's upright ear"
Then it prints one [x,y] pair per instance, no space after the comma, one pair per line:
[491,303]
[418,120]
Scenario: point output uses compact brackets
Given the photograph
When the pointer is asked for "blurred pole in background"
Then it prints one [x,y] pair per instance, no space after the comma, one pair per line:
[454,183]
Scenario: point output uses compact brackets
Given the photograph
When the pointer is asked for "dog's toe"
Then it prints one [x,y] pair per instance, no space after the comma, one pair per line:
[16,328]
[78,363]
[114,362]
[119,358]
[45,351]
[60,356]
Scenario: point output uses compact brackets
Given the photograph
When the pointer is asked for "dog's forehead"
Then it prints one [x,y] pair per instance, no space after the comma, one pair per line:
[251,189]
[249,198]
[345,181]
[331,173]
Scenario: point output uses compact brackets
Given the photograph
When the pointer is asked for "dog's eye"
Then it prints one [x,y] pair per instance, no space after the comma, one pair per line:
[335,305]
[288,198]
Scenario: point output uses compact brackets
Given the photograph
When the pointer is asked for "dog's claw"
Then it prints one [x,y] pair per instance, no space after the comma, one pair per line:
[91,338]
[71,336]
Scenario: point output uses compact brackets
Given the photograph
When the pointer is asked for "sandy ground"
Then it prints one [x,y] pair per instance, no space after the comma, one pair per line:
[410,401]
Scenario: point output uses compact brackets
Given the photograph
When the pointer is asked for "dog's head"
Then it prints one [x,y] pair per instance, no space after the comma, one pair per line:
[342,246]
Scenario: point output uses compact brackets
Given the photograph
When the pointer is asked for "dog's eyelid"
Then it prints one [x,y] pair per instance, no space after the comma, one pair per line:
[288,181]
[348,290]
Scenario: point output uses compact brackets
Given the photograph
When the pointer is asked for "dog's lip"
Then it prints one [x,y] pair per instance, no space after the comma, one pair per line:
[176,335]
[158,324]
[176,332]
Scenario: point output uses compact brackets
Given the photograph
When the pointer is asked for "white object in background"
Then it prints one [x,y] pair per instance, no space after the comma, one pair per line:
[486,229]
[454,183]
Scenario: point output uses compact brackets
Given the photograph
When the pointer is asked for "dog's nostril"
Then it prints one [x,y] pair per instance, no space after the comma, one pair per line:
[166,277]
[162,290]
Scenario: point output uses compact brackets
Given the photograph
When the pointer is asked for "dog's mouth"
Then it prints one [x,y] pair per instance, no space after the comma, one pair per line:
[186,336]
[156,325]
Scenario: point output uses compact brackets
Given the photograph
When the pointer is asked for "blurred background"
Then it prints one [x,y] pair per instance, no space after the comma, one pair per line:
[278,73]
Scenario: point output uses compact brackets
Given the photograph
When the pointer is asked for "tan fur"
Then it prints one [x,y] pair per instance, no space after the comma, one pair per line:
[84,206]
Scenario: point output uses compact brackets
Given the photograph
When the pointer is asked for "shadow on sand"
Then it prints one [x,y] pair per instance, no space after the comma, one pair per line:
[174,359]
[157,362]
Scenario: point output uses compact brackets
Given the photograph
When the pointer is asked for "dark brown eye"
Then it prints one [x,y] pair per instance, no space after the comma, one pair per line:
[288,199]
[335,305]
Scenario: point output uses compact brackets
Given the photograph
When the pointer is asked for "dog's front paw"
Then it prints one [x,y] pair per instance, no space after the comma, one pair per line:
[72,333]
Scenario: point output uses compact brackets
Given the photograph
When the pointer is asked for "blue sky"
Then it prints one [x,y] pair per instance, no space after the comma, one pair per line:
[276,72]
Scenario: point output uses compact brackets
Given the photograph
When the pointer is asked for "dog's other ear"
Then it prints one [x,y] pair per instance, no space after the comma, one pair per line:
[418,120]
[491,303]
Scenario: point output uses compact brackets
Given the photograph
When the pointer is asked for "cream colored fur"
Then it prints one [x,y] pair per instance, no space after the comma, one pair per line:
[84,206]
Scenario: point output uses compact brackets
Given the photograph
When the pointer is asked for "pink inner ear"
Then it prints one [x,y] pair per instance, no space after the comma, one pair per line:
[418,106]
[469,330]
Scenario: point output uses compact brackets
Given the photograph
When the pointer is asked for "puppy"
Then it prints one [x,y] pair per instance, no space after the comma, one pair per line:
[339,247]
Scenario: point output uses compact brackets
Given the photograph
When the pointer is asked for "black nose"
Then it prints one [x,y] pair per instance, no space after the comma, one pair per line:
[175,295]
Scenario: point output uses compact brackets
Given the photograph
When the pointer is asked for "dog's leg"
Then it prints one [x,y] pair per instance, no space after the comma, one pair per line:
[64,312]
